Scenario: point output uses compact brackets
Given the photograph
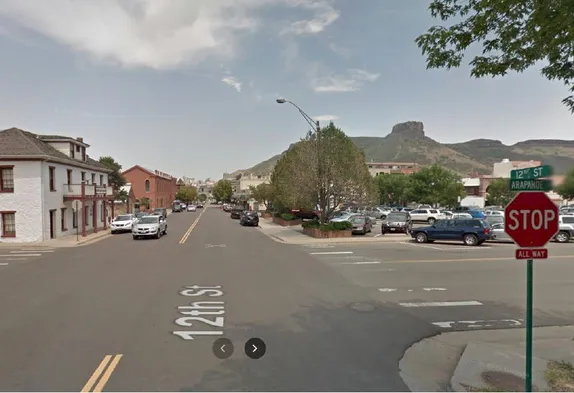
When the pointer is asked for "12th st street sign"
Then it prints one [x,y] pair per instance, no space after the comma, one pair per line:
[536,172]
[531,219]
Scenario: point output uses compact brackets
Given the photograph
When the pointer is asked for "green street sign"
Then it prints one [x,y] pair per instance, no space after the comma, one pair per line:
[531,173]
[531,185]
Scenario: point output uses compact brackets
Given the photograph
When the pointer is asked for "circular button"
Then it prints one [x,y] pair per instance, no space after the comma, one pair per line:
[255,348]
[223,348]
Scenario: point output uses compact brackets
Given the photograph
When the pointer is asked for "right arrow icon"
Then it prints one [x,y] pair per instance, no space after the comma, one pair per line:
[255,348]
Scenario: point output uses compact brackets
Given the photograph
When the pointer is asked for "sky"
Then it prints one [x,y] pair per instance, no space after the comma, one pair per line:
[188,87]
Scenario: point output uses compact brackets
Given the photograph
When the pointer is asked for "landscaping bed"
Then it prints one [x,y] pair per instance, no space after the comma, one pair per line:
[327,231]
[287,220]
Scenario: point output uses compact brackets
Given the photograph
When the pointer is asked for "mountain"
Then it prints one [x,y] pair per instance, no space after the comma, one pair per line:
[407,142]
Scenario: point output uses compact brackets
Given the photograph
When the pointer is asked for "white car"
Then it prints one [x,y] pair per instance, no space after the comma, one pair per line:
[150,226]
[191,208]
[123,223]
[426,215]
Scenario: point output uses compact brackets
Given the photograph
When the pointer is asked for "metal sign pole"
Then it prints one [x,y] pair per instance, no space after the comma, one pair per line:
[529,298]
[77,226]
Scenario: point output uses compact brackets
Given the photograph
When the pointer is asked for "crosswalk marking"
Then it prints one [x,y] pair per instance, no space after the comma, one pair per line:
[332,253]
[360,263]
[27,251]
[442,304]
[20,255]
[412,289]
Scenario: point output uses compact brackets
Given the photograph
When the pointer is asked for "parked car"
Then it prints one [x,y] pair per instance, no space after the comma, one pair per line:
[227,208]
[305,214]
[361,224]
[249,218]
[150,226]
[426,215]
[494,220]
[458,216]
[191,208]
[176,208]
[123,223]
[397,222]
[160,211]
[236,212]
[200,205]
[471,232]
[381,212]
[345,216]
[566,231]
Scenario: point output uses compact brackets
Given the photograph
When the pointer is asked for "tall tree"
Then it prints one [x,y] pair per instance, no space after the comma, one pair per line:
[566,189]
[499,192]
[115,177]
[323,169]
[202,197]
[393,189]
[436,185]
[514,35]
[186,194]
[222,190]
[263,193]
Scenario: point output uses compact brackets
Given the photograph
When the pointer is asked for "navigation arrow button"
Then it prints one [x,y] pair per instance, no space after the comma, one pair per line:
[255,348]
[222,348]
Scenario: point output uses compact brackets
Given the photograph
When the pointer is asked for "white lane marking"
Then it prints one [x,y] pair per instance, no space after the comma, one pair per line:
[387,289]
[442,304]
[434,289]
[411,289]
[27,251]
[361,263]
[382,270]
[3,264]
[479,323]
[20,255]
[378,235]
[332,253]
[423,245]
[16,258]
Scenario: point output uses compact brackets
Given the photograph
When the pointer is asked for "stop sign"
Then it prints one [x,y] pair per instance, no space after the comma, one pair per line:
[531,219]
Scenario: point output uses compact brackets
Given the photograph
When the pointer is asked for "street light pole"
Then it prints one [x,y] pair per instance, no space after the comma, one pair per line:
[314,125]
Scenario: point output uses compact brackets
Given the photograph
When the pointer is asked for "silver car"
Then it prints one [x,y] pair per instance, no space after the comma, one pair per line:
[150,226]
[123,223]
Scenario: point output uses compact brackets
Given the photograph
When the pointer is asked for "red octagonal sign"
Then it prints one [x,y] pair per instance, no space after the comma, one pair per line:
[531,219]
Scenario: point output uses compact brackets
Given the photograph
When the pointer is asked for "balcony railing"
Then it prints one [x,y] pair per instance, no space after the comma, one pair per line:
[87,191]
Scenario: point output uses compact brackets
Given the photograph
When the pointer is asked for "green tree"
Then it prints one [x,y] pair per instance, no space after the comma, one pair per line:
[499,193]
[514,35]
[115,177]
[186,194]
[145,202]
[324,169]
[122,195]
[436,185]
[222,191]
[202,197]
[566,189]
[393,188]
[263,193]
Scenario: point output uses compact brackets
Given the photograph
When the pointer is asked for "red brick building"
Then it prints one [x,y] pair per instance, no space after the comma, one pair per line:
[156,187]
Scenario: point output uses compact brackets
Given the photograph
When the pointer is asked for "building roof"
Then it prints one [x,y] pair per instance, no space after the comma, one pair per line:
[58,138]
[150,172]
[17,143]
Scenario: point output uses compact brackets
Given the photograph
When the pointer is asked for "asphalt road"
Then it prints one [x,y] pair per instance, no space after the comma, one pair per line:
[325,321]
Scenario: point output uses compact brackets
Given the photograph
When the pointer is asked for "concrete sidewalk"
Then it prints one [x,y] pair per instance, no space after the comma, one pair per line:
[63,242]
[485,360]
[294,235]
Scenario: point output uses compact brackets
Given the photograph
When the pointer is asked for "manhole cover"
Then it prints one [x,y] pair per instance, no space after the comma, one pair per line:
[362,307]
[505,382]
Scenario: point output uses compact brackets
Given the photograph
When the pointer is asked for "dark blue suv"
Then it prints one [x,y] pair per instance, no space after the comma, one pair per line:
[472,232]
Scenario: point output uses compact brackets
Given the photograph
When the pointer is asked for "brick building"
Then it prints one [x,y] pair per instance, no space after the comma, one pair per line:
[157,187]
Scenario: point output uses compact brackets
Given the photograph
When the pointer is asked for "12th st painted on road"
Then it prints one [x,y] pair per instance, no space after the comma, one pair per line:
[210,313]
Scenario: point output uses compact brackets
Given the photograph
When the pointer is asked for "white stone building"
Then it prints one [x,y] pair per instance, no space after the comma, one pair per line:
[50,187]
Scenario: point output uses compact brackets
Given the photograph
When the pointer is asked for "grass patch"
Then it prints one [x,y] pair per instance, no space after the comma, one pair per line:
[560,376]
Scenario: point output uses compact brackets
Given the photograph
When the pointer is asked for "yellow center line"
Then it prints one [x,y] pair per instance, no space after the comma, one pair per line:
[190,229]
[88,386]
[108,373]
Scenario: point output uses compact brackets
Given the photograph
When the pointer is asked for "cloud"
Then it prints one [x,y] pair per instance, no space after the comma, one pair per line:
[158,34]
[325,118]
[233,82]
[354,80]
[325,15]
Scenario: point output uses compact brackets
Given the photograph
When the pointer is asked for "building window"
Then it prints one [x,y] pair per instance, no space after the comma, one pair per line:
[93,178]
[78,148]
[83,177]
[69,176]
[8,219]
[147,186]
[6,179]
[52,175]
[101,180]
[64,221]
[83,153]
[74,219]
[72,154]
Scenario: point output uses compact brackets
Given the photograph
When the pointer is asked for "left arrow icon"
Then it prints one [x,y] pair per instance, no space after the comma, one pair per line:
[222,348]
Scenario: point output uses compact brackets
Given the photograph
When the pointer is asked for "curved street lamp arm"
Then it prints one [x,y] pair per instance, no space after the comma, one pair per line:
[314,125]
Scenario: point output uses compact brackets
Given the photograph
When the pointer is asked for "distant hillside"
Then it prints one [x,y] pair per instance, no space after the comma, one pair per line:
[407,142]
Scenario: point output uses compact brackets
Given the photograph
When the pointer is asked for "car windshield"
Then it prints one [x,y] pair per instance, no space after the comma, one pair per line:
[123,218]
[397,217]
[149,220]
[357,220]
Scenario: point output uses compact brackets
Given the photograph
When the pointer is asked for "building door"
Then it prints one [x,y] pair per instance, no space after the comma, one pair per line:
[52,224]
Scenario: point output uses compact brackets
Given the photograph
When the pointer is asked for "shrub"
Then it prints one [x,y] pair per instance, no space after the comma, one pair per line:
[288,216]
[331,226]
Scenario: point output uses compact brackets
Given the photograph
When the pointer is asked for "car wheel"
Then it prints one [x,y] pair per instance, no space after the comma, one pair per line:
[470,240]
[158,235]
[383,216]
[114,232]
[364,231]
[421,237]
[383,231]
[135,237]
[165,230]
[431,221]
[562,237]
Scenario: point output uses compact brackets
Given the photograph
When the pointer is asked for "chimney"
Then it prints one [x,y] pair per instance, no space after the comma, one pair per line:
[81,140]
